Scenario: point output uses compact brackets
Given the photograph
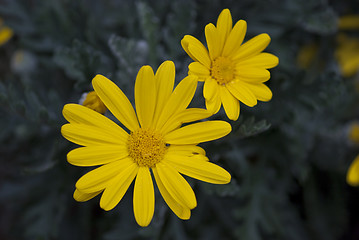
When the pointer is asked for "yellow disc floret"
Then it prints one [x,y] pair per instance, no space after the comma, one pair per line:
[146,147]
[223,70]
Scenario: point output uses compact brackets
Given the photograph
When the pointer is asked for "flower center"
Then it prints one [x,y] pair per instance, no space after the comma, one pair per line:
[222,70]
[146,147]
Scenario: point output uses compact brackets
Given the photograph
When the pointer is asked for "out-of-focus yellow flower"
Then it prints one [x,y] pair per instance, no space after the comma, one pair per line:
[353,173]
[347,54]
[354,133]
[5,33]
[92,101]
[349,22]
[306,55]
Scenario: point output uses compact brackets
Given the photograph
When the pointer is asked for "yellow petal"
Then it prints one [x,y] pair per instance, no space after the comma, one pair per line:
[181,211]
[187,40]
[200,54]
[187,150]
[230,103]
[143,197]
[187,115]
[235,38]
[253,75]
[252,47]
[75,113]
[201,170]
[192,114]
[199,70]
[242,93]
[96,155]
[198,132]
[176,185]
[179,99]
[262,60]
[213,41]
[87,135]
[100,178]
[224,27]
[83,197]
[193,155]
[145,96]
[261,91]
[353,173]
[213,105]
[165,78]
[210,88]
[118,186]
[116,101]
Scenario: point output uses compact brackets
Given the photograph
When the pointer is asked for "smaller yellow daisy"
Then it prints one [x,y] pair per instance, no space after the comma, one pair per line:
[92,101]
[231,71]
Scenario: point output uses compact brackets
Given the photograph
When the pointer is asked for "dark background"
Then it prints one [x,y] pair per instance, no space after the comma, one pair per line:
[288,158]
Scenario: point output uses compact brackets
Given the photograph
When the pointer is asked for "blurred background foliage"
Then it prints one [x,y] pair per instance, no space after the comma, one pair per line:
[288,158]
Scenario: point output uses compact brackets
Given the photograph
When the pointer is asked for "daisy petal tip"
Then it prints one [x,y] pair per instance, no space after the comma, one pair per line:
[226,10]
[143,222]
[243,22]
[105,207]
[209,26]
[185,41]
[265,37]
[146,68]
[228,178]
[99,78]
[168,63]
[234,118]
[63,129]
[226,126]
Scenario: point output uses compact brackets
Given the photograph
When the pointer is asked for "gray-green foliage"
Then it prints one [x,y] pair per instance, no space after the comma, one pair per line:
[288,157]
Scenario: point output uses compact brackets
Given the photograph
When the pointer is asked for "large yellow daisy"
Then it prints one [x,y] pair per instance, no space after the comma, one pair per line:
[231,71]
[154,141]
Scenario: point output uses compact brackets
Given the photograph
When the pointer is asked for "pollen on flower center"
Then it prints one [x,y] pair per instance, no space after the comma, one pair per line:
[222,70]
[146,147]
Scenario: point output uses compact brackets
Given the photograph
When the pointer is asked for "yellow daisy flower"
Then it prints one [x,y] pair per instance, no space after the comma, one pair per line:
[231,71]
[353,173]
[156,142]
[92,101]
